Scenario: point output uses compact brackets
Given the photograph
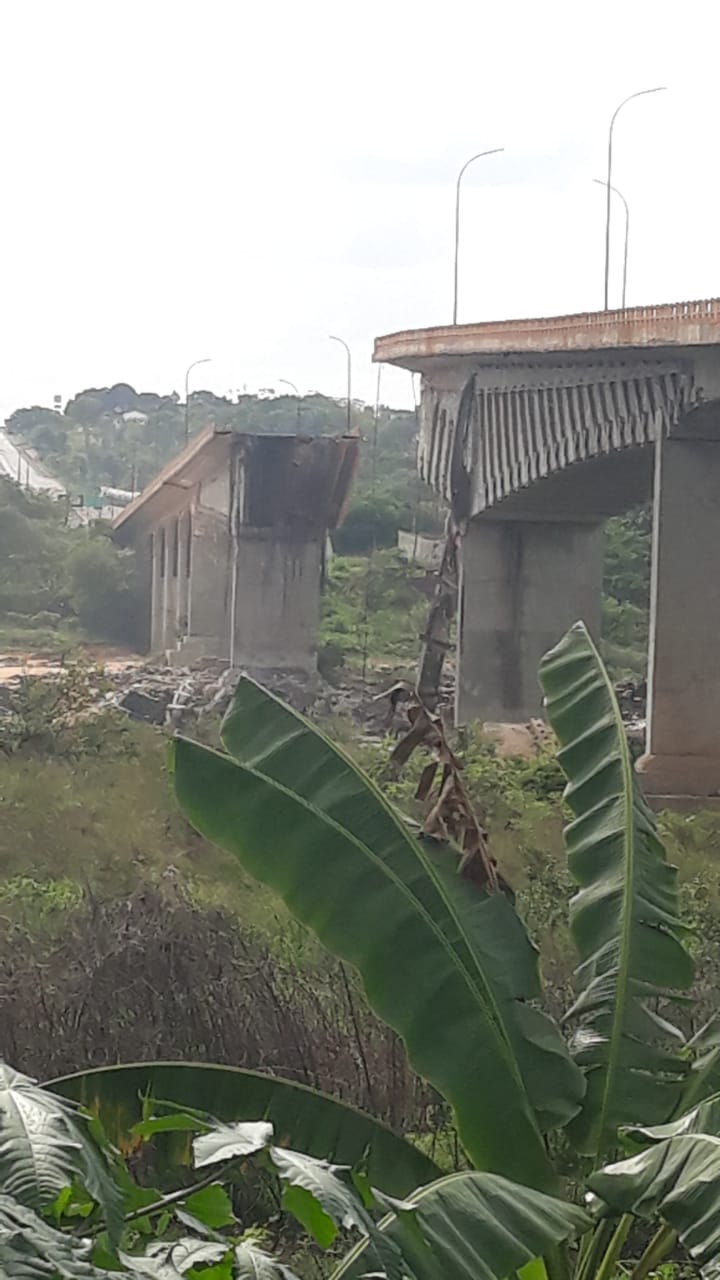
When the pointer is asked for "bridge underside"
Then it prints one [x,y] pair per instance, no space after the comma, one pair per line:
[533,453]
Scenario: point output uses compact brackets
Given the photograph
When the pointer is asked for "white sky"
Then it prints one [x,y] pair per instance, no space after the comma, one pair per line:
[227,178]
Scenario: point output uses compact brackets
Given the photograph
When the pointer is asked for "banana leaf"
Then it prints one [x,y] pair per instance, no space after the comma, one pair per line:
[624,918]
[449,967]
[302,1118]
[474,1226]
[704,1077]
[677,1178]
[704,1118]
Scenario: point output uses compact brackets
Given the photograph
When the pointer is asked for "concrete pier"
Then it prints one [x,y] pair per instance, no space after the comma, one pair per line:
[232,533]
[522,583]
[683,740]
[277,603]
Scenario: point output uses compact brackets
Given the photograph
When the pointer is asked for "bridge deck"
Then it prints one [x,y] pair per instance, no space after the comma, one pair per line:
[677,324]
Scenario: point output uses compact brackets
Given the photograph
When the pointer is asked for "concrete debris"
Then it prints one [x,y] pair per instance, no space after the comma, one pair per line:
[174,697]
[143,706]
[632,699]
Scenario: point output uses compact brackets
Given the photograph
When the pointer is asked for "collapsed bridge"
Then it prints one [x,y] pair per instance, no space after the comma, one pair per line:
[537,431]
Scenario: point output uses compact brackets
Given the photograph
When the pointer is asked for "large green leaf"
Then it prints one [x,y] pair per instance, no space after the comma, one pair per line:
[173,1260]
[30,1249]
[301,1117]
[449,968]
[474,1226]
[253,1263]
[704,1078]
[625,916]
[704,1118]
[324,1199]
[489,939]
[679,1179]
[45,1146]
[228,1141]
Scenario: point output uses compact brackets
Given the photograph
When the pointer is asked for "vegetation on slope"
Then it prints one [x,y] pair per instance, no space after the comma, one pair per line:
[58,583]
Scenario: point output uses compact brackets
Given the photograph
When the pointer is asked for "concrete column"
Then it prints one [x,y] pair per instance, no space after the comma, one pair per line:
[522,584]
[277,601]
[208,587]
[181,592]
[683,741]
[172,577]
[158,585]
[145,568]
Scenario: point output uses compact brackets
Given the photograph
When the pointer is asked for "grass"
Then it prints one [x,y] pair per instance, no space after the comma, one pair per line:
[40,641]
[107,822]
[89,805]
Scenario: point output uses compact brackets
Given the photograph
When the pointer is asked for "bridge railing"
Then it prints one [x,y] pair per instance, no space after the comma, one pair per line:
[630,322]
[700,309]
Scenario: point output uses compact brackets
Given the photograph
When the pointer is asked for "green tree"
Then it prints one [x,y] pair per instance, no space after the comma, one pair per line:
[99,440]
[34,548]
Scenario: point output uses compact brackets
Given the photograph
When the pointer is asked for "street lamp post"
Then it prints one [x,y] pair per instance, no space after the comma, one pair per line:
[188,371]
[287,383]
[608,183]
[344,344]
[495,151]
[620,196]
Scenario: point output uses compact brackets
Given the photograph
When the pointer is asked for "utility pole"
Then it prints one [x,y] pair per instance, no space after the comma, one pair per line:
[620,196]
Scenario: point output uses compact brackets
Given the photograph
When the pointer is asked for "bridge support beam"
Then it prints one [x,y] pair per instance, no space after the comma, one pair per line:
[522,584]
[682,767]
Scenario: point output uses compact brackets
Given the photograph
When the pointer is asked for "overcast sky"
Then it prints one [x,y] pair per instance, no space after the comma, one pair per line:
[187,178]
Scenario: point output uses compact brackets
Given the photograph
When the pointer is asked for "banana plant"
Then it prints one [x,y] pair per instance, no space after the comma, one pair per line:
[69,1206]
[448,964]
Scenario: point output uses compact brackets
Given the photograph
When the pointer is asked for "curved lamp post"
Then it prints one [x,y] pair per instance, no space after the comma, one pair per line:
[495,151]
[287,383]
[188,371]
[344,344]
[642,93]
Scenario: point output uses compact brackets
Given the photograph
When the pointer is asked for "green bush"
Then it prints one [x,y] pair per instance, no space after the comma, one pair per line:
[103,588]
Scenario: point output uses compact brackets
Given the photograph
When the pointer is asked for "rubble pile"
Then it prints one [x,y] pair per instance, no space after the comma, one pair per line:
[173,697]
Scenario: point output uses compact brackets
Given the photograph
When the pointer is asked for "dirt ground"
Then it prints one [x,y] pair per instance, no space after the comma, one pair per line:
[516,739]
[111,657]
